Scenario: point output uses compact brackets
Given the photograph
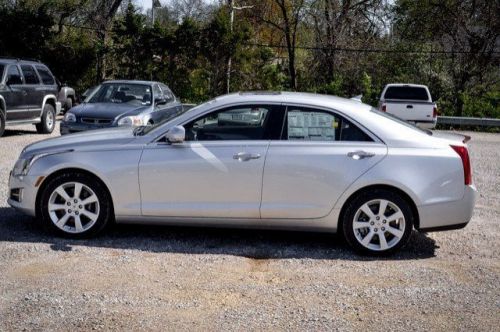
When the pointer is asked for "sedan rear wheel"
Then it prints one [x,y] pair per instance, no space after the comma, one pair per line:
[75,205]
[378,222]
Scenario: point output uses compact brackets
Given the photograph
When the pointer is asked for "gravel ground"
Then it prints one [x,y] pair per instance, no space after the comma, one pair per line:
[167,278]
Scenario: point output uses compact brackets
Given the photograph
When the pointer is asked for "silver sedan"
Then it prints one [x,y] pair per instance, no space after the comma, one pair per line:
[266,160]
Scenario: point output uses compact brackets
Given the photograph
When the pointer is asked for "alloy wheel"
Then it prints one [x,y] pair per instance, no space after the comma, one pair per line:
[379,225]
[73,207]
[49,120]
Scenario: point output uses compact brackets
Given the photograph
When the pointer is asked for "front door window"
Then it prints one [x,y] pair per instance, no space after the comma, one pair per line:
[249,122]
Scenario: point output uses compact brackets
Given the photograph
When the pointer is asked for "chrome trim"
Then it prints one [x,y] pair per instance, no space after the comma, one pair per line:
[21,122]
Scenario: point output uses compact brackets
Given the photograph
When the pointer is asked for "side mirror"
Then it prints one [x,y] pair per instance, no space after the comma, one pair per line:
[176,134]
[160,101]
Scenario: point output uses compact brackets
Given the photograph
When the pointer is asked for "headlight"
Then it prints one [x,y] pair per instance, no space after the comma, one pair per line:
[69,117]
[131,121]
[23,166]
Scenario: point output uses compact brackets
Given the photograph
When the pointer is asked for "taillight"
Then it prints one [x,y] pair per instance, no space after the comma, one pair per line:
[383,108]
[464,155]
[435,112]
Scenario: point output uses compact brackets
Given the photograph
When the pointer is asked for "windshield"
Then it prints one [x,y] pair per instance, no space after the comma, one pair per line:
[137,94]
[400,121]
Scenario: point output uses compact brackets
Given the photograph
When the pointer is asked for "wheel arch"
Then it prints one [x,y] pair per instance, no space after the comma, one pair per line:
[53,175]
[3,106]
[51,100]
[397,190]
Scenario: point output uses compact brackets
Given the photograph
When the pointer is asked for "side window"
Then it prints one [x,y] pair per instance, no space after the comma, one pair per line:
[45,75]
[236,123]
[315,125]
[14,76]
[168,94]
[30,76]
[156,91]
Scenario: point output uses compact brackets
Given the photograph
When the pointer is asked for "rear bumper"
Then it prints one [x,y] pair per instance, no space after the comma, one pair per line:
[426,124]
[449,215]
[58,107]
[74,127]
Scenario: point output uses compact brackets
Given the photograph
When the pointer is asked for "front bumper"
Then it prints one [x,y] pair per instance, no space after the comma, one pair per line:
[449,215]
[75,127]
[26,186]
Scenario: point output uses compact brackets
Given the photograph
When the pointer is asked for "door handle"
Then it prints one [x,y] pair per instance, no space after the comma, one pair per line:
[245,156]
[409,106]
[356,155]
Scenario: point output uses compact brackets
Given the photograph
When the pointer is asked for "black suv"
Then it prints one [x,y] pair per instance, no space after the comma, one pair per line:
[28,94]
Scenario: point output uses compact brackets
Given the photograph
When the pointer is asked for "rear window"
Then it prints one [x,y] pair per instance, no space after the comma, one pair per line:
[406,92]
[45,75]
[398,120]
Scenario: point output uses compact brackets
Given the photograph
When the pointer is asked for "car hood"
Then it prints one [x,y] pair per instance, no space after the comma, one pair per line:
[107,110]
[85,141]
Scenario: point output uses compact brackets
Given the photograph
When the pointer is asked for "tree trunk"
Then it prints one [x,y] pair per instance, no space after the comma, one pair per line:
[291,63]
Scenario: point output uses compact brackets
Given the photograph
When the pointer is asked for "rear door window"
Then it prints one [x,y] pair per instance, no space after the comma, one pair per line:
[305,124]
[30,76]
[406,93]
[45,75]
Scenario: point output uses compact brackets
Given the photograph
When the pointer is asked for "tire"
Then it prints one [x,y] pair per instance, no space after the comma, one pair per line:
[48,120]
[370,231]
[68,105]
[2,123]
[60,209]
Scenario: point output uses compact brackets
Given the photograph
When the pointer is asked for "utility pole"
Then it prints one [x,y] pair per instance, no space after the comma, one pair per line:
[154,4]
[232,8]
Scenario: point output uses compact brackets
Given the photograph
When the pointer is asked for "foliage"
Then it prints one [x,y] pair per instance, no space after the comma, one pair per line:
[324,46]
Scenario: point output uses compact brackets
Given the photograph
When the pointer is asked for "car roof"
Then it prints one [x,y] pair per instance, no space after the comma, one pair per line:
[131,82]
[299,98]
[411,85]
[20,61]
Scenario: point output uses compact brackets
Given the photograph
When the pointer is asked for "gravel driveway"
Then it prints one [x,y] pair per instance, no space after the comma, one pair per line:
[167,278]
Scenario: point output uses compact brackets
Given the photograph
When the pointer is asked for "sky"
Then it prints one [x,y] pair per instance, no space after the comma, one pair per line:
[145,4]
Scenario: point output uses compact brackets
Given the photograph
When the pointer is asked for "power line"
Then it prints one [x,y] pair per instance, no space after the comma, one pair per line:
[363,50]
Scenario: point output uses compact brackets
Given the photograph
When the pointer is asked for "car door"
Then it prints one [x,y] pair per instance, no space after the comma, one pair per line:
[15,95]
[319,156]
[34,91]
[216,172]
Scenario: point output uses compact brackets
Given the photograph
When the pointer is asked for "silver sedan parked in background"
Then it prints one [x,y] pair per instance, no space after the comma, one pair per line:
[266,160]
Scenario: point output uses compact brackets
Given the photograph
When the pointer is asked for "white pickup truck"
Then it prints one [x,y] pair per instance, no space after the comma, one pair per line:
[409,102]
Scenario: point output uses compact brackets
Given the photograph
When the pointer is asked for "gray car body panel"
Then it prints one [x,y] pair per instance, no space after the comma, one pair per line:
[197,183]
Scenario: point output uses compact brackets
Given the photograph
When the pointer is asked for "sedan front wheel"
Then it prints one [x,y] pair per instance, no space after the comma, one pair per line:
[75,205]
